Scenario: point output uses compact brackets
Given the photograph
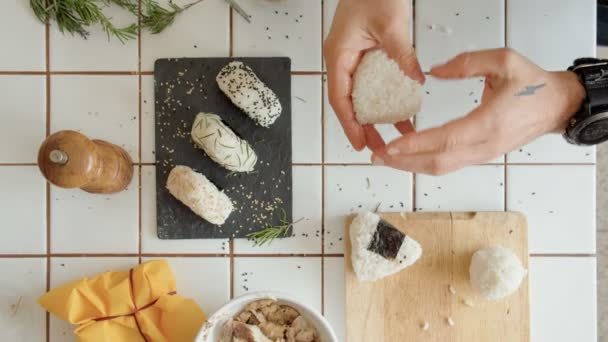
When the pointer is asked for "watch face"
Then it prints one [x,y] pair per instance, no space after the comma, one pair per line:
[594,133]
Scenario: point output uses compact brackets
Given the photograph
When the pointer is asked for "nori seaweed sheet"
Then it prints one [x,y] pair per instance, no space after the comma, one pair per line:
[387,240]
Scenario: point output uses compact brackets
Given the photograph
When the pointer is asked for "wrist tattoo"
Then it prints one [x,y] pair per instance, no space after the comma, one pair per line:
[530,90]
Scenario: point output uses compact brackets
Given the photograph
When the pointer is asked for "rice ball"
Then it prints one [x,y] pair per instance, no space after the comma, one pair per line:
[382,93]
[496,272]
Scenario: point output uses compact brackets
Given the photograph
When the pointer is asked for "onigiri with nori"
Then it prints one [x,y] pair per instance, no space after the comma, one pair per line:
[379,249]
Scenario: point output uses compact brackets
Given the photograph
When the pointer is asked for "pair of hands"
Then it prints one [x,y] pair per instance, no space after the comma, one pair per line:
[520,100]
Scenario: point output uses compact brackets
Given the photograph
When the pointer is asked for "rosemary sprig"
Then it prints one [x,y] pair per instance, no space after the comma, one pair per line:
[156,18]
[76,16]
[270,232]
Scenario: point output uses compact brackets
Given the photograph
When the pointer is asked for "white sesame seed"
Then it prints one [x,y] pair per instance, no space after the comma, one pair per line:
[468,303]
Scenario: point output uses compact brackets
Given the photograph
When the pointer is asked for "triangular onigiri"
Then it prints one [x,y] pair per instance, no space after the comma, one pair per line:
[379,249]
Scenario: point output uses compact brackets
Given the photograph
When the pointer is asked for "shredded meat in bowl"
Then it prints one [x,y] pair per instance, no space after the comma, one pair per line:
[268,321]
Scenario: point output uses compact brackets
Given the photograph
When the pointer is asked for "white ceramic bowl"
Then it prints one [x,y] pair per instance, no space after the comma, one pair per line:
[212,329]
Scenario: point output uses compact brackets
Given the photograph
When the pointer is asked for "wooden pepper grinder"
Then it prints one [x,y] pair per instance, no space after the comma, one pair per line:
[69,159]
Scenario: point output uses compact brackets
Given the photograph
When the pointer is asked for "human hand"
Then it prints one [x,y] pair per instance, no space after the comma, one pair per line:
[520,102]
[359,25]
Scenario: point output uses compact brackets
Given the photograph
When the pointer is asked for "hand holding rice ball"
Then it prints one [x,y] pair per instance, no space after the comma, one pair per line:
[382,93]
[496,272]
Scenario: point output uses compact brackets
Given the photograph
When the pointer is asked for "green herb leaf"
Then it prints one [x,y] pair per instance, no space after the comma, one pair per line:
[270,232]
[76,16]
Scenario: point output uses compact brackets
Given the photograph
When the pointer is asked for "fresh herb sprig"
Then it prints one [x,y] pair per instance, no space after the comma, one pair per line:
[269,233]
[76,16]
[156,18]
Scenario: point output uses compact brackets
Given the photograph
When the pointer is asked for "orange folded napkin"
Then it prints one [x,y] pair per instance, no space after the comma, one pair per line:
[136,305]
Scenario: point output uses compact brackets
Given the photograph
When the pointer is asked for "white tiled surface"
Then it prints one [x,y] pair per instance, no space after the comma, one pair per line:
[447,28]
[475,187]
[563,299]
[444,101]
[296,276]
[106,106]
[559,201]
[306,118]
[351,189]
[202,31]
[109,112]
[94,223]
[23,210]
[147,120]
[282,28]
[23,46]
[22,118]
[22,282]
[533,28]
[212,275]
[96,52]
[552,148]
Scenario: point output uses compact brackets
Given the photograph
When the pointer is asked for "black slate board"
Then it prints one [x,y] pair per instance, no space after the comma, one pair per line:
[183,88]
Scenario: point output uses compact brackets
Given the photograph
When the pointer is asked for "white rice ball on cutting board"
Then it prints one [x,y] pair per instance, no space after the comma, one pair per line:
[496,272]
[221,144]
[249,93]
[378,249]
[200,195]
[382,93]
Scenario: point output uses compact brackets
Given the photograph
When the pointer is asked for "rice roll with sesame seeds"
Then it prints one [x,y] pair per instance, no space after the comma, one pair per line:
[200,195]
[221,144]
[249,93]
[379,249]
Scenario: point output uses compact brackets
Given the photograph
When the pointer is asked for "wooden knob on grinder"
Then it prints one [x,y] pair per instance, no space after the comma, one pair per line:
[69,159]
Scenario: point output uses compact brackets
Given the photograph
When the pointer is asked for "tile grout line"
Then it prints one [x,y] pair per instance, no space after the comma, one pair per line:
[231,31]
[504,188]
[231,255]
[47,52]
[139,155]
[322,167]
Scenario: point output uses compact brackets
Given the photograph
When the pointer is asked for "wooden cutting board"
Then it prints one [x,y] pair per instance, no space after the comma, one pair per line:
[395,308]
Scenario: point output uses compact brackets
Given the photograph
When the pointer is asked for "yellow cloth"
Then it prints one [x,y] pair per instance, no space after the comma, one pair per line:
[110,297]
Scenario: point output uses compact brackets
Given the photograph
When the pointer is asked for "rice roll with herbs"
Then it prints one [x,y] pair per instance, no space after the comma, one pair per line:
[249,93]
[379,249]
[221,144]
[200,195]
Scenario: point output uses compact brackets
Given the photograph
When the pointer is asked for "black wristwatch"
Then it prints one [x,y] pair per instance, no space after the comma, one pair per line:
[589,126]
